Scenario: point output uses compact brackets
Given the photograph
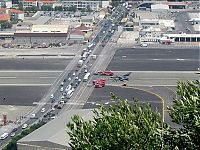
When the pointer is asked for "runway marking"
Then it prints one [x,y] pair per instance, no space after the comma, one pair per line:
[157,78]
[8,77]
[25,84]
[31,71]
[47,77]
[156,71]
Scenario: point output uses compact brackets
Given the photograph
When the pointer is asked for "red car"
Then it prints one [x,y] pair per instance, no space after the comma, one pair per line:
[106,73]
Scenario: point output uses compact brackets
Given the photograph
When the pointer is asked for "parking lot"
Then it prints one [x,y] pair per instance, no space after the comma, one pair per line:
[155,59]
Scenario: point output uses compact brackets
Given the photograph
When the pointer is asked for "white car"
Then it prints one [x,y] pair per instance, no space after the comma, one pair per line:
[12,134]
[76,78]
[85,70]
[74,74]
[79,80]
[32,116]
[62,97]
[69,79]
[42,110]
[85,66]
[61,89]
[52,96]
[53,109]
[24,126]
[62,84]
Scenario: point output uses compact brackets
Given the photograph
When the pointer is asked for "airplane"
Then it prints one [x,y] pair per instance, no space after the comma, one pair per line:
[121,78]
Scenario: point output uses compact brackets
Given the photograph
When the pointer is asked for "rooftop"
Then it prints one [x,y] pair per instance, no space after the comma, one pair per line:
[49,29]
[77,32]
[4,17]
[54,133]
[16,11]
[82,27]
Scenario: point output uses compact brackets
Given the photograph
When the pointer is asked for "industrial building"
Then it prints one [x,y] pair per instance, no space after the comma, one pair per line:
[94,5]
[42,34]
[53,135]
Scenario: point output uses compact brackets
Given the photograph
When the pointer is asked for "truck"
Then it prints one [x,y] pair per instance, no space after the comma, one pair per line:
[80,63]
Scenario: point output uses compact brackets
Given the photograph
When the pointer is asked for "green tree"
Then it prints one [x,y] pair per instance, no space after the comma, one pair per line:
[115,3]
[58,8]
[46,8]
[121,127]
[5,25]
[72,8]
[186,112]
[20,5]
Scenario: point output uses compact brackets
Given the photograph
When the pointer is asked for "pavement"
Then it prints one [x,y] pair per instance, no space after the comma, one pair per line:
[33,64]
[155,59]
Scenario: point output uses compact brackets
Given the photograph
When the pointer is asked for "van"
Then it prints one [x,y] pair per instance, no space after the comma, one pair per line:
[69,94]
[4,136]
[144,45]
[68,88]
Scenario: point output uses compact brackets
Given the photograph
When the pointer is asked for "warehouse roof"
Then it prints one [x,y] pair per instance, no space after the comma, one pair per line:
[54,133]
[49,29]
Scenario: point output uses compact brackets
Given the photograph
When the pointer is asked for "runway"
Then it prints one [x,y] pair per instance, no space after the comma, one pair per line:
[155,59]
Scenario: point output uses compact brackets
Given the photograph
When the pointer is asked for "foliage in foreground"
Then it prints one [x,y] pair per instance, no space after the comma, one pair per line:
[125,127]
[120,126]
[186,113]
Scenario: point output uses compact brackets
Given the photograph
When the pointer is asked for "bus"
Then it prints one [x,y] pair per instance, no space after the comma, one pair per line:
[86,77]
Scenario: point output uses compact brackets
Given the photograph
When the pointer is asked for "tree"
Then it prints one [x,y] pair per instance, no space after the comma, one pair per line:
[58,8]
[72,8]
[186,111]
[121,126]
[46,8]
[5,25]
[20,5]
[115,3]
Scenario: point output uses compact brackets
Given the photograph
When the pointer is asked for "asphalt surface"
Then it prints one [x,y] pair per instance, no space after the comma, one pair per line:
[182,23]
[21,96]
[155,59]
[33,64]
[102,96]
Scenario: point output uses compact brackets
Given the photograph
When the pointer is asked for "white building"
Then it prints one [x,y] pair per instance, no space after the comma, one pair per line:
[6,4]
[159,7]
[94,5]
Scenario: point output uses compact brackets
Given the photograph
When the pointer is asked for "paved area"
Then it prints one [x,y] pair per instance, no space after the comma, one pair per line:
[102,96]
[154,78]
[21,96]
[155,59]
[33,64]
[28,77]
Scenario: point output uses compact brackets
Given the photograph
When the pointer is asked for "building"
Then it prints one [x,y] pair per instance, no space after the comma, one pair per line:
[42,34]
[4,17]
[38,3]
[17,14]
[183,37]
[159,7]
[76,37]
[6,3]
[53,135]
[83,28]
[84,4]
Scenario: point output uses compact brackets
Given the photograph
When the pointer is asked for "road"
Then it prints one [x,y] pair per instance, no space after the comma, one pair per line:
[103,36]
[155,59]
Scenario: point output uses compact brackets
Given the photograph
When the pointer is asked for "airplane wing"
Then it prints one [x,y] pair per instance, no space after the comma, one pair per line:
[128,74]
